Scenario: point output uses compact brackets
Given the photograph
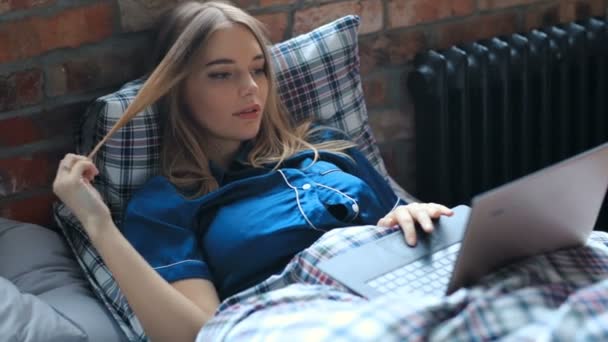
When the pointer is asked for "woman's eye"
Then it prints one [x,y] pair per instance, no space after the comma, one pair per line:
[260,71]
[219,75]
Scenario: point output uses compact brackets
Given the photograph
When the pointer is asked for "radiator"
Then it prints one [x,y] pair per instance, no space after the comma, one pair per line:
[490,111]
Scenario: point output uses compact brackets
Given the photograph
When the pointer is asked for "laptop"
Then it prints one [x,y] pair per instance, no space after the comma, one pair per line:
[554,208]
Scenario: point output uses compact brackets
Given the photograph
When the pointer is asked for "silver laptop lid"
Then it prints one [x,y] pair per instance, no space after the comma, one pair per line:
[550,209]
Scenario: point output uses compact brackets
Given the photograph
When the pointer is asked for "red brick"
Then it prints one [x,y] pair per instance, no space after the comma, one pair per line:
[36,209]
[142,15]
[49,124]
[403,13]
[101,71]
[391,124]
[245,3]
[29,87]
[5,53]
[21,174]
[562,12]
[482,27]
[20,89]
[568,11]
[75,27]
[276,24]
[71,28]
[539,16]
[372,16]
[268,3]
[393,48]
[18,131]
[11,5]
[496,4]
[373,52]
[404,45]
[370,11]
[400,159]
[588,8]
[30,173]
[60,122]
[8,93]
[374,89]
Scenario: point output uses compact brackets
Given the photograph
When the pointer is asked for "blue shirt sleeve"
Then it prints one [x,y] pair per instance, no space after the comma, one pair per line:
[159,223]
[367,172]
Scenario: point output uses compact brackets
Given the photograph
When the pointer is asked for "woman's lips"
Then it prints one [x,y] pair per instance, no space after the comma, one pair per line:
[251,112]
[249,115]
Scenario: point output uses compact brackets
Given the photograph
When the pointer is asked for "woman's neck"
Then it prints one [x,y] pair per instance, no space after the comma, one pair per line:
[222,153]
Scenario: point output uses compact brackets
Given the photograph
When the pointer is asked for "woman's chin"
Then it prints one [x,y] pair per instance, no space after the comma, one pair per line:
[250,133]
[250,137]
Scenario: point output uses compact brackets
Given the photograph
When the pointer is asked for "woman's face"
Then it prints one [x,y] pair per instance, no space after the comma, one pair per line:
[227,91]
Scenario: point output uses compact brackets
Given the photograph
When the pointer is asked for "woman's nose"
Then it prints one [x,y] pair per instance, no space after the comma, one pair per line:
[250,86]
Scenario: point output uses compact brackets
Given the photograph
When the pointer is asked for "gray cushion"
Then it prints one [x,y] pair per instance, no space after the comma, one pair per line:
[49,298]
[35,258]
[27,318]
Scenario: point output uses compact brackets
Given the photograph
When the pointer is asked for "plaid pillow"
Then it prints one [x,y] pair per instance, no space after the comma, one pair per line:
[318,74]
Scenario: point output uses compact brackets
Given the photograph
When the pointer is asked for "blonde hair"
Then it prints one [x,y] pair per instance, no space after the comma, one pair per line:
[183,32]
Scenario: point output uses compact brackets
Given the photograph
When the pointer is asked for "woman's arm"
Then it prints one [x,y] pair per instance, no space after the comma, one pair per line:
[166,312]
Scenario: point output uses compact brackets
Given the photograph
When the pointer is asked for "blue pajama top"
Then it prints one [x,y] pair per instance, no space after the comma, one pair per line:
[256,221]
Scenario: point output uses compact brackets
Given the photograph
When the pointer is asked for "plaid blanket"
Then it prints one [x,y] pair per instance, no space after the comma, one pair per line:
[558,296]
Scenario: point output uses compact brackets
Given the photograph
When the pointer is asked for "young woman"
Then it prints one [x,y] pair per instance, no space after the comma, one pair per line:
[242,189]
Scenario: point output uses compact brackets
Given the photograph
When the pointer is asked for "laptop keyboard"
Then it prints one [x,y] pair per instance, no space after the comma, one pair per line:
[429,275]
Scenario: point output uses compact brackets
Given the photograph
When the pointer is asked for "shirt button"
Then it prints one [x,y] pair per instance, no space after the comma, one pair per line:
[306,186]
[355,207]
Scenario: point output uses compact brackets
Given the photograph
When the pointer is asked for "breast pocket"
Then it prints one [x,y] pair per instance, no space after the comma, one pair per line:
[336,194]
[347,197]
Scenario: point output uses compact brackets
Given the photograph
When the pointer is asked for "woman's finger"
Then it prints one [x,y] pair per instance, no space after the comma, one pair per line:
[84,168]
[406,222]
[383,222]
[66,163]
[433,211]
[443,209]
[423,217]
[388,221]
[81,166]
[69,160]
[91,172]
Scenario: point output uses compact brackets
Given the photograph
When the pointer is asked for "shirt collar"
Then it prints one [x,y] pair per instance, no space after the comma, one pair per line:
[238,164]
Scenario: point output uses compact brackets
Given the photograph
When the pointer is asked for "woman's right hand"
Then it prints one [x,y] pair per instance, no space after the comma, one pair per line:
[73,187]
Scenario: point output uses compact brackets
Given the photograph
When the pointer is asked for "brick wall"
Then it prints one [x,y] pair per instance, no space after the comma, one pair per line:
[58,55]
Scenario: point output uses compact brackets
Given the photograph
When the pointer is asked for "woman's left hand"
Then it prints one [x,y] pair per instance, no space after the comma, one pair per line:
[407,215]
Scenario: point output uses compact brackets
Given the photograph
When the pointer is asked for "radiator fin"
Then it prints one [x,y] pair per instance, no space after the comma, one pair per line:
[490,111]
